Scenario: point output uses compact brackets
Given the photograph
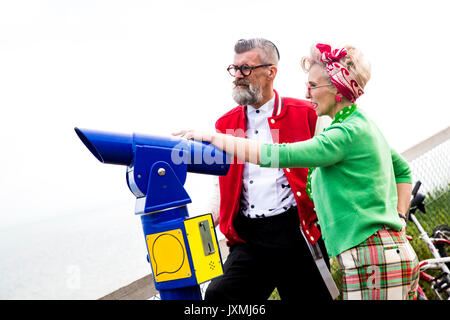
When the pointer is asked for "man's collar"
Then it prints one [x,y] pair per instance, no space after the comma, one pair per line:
[267,107]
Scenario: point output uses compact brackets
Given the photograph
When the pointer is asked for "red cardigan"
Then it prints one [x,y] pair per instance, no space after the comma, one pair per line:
[295,120]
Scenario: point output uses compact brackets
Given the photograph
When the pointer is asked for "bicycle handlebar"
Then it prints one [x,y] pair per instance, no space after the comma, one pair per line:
[417,201]
[416,188]
[434,263]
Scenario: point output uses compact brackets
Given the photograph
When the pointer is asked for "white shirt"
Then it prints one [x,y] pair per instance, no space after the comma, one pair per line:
[265,191]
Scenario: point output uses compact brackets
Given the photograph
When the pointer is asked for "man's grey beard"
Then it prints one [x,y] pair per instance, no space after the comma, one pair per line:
[247,96]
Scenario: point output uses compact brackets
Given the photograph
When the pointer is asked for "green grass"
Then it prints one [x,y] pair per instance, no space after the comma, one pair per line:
[437,205]
[275,295]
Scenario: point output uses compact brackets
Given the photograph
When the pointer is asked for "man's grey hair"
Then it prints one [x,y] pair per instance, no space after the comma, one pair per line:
[269,52]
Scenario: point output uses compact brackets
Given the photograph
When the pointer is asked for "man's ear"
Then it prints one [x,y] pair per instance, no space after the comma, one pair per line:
[272,72]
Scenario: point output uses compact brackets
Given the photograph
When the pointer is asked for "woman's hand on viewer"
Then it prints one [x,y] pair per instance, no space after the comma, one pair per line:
[195,135]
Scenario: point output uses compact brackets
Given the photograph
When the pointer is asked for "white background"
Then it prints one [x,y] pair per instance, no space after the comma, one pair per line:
[156,67]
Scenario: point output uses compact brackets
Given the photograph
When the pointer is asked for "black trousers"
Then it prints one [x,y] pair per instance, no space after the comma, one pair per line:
[255,268]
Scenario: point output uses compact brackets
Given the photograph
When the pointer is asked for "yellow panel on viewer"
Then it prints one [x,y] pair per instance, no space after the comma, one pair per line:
[168,255]
[204,247]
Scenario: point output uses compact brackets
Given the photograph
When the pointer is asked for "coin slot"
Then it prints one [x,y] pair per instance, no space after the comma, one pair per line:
[207,240]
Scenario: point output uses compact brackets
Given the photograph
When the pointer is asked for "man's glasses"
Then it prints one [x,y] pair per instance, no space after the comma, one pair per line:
[244,69]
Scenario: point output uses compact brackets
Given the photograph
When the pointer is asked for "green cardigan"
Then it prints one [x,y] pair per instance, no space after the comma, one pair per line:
[354,183]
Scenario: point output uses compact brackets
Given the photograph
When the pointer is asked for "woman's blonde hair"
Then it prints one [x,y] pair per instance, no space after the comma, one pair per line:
[354,62]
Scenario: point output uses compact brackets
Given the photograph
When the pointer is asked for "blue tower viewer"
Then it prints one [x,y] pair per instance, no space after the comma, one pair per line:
[183,252]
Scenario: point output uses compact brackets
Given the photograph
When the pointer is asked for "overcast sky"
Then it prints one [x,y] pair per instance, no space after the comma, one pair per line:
[159,66]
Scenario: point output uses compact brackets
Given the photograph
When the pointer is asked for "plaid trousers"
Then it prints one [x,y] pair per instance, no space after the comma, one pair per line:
[383,267]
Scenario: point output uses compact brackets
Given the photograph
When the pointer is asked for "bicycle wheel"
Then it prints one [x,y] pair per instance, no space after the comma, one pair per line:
[442,232]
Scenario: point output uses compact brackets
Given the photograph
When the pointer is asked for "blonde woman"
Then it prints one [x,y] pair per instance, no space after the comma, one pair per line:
[359,185]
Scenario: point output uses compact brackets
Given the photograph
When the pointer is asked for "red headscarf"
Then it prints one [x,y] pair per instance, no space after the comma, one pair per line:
[339,75]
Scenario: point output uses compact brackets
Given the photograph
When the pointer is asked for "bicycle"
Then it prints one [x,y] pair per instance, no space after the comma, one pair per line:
[437,244]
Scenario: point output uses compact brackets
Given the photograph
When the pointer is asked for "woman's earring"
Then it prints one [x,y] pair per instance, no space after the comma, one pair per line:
[338,98]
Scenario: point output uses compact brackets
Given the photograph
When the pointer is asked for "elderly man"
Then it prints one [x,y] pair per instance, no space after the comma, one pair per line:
[265,213]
